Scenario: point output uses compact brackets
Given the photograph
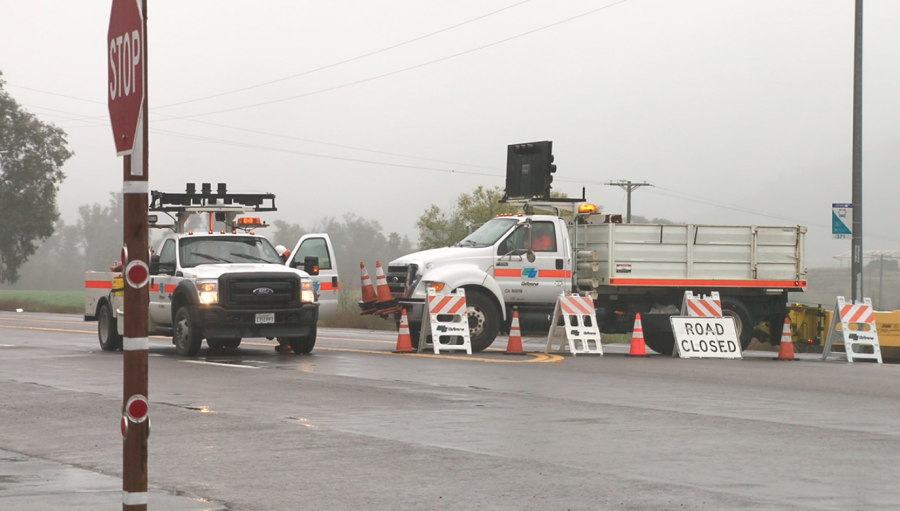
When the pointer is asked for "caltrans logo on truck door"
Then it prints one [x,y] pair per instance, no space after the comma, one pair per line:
[529,273]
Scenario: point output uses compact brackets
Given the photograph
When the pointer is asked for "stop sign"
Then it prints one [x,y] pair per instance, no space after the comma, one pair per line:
[125,43]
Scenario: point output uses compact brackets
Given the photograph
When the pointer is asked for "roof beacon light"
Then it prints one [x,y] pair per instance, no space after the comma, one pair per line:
[587,208]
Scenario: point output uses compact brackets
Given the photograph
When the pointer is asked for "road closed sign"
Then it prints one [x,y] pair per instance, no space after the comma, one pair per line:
[699,337]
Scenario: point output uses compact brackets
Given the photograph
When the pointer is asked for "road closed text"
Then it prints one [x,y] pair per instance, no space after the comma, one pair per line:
[698,337]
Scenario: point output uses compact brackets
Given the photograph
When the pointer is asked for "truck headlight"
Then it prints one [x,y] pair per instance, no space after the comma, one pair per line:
[307,292]
[208,290]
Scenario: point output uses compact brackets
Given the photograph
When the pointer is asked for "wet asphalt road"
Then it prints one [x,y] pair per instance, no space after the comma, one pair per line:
[354,427]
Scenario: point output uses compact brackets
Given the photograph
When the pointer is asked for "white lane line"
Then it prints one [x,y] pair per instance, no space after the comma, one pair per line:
[217,364]
[7,345]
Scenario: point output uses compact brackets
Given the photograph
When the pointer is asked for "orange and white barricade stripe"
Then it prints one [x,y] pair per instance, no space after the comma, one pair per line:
[864,333]
[701,306]
[449,321]
[580,320]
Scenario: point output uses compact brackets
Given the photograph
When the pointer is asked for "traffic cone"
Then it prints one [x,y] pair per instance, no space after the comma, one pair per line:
[404,341]
[786,348]
[514,346]
[638,348]
[385,304]
[367,305]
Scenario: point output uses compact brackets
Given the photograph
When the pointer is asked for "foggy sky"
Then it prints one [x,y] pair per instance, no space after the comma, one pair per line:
[739,111]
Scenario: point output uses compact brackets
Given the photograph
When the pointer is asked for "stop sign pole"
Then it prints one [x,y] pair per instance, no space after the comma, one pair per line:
[127,93]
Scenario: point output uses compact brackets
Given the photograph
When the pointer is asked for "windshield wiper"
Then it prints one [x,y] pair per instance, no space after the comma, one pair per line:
[251,257]
[470,242]
[210,257]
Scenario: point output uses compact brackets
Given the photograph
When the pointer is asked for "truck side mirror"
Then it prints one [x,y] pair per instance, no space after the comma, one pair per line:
[311,265]
[154,264]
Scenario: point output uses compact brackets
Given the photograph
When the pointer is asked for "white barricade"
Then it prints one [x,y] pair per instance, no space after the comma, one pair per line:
[448,321]
[701,306]
[862,316]
[581,329]
[709,306]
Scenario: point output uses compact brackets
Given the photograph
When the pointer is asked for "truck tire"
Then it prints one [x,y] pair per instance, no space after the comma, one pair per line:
[304,345]
[186,337]
[484,320]
[107,329]
[660,341]
[743,322]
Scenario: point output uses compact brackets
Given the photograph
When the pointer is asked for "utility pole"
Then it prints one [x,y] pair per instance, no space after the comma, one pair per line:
[856,255]
[629,187]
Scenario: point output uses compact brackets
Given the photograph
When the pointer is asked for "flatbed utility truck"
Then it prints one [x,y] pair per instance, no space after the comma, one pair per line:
[626,268]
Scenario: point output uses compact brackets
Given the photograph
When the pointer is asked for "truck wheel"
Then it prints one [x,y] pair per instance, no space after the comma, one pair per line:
[107,330]
[185,335]
[484,320]
[303,345]
[660,341]
[743,324]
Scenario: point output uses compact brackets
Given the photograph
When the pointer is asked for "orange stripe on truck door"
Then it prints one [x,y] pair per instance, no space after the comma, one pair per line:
[98,284]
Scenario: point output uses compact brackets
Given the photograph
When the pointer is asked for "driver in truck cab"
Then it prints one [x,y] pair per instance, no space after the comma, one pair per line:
[542,239]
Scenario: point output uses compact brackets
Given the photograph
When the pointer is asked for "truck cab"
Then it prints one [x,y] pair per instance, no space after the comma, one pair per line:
[510,261]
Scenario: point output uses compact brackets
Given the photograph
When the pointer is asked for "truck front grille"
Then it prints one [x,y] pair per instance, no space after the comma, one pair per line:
[400,277]
[262,291]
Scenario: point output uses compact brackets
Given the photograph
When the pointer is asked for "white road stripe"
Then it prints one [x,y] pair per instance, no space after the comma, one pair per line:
[217,364]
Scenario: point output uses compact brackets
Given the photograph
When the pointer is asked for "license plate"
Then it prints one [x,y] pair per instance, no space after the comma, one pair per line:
[265,318]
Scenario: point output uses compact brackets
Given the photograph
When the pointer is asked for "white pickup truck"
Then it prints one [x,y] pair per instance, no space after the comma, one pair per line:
[526,261]
[223,287]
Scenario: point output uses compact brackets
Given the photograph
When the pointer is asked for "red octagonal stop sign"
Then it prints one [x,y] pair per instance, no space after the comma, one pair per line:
[125,87]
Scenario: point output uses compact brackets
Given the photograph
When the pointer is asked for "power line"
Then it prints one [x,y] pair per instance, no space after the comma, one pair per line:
[329,66]
[410,68]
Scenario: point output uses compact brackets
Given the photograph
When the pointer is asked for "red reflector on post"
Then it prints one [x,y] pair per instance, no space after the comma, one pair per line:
[136,408]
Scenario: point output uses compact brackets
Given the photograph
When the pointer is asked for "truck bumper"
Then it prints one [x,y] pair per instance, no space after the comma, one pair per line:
[216,322]
[414,309]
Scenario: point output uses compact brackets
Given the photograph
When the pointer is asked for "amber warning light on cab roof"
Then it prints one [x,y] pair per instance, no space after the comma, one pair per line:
[249,222]
[587,208]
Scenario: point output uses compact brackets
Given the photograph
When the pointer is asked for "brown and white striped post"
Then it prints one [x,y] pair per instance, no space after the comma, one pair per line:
[128,100]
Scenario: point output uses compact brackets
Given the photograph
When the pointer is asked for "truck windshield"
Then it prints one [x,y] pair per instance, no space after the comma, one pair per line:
[489,233]
[199,250]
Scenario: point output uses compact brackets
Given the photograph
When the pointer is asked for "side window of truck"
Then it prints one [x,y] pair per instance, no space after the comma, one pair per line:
[167,258]
[313,247]
[543,239]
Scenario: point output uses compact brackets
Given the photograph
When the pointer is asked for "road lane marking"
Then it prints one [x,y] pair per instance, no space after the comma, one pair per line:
[19,327]
[538,357]
[217,364]
[33,320]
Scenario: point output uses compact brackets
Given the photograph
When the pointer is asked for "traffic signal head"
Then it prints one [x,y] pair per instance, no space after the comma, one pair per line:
[528,169]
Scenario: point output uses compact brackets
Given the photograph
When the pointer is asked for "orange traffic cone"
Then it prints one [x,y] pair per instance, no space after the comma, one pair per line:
[638,348]
[385,304]
[786,348]
[404,341]
[367,305]
[514,346]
